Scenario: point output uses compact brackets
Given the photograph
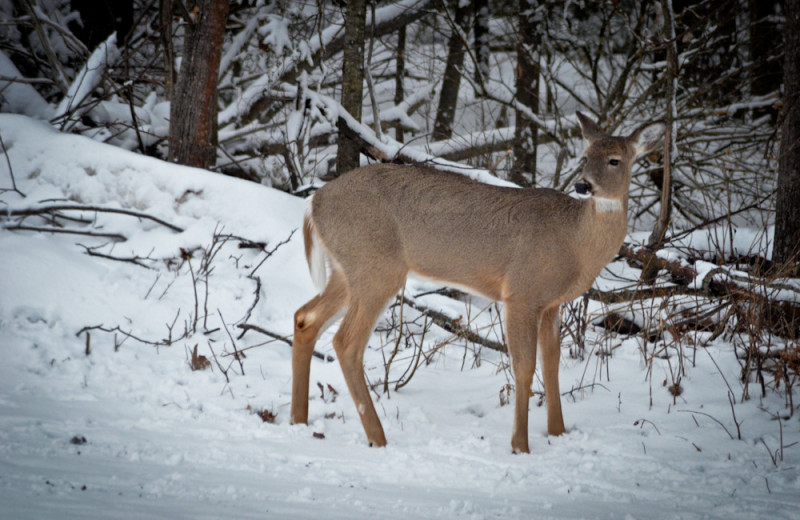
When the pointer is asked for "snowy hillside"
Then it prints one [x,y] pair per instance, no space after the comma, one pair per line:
[102,415]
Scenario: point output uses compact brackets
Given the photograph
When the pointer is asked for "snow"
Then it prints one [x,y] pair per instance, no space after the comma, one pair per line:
[19,98]
[163,441]
[90,75]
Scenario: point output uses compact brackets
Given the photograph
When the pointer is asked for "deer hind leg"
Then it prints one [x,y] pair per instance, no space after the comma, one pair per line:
[350,342]
[309,322]
[550,343]
[521,329]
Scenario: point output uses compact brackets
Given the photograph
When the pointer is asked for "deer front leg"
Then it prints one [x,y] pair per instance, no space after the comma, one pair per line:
[521,327]
[550,343]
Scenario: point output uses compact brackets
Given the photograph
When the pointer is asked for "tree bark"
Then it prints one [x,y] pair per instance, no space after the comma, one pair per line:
[660,228]
[399,78]
[527,87]
[787,211]
[448,96]
[165,9]
[347,155]
[764,42]
[480,31]
[193,109]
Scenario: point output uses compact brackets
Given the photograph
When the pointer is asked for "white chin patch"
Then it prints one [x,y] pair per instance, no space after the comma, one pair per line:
[604,205]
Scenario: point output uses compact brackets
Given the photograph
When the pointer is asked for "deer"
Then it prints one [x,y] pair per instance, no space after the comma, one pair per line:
[532,249]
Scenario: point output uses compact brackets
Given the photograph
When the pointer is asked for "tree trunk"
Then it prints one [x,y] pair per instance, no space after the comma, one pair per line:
[347,156]
[480,31]
[193,109]
[787,210]
[165,9]
[670,138]
[448,97]
[527,87]
[764,42]
[399,78]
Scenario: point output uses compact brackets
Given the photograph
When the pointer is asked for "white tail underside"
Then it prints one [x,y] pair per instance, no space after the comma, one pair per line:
[317,257]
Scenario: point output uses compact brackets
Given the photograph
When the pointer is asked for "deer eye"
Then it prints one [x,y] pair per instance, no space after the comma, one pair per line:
[614,162]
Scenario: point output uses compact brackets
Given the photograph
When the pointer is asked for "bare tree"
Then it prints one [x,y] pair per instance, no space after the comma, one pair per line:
[787,214]
[347,156]
[480,32]
[399,77]
[527,94]
[448,96]
[193,110]
[764,40]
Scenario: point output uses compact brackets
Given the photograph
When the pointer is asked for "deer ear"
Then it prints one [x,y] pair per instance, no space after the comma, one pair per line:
[589,128]
[648,137]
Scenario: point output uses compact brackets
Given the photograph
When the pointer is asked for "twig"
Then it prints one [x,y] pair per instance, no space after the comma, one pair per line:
[376,115]
[732,401]
[188,257]
[257,293]
[710,417]
[728,215]
[642,422]
[52,59]
[272,251]
[137,260]
[223,370]
[403,381]
[288,341]
[237,355]
[124,333]
[10,170]
[388,364]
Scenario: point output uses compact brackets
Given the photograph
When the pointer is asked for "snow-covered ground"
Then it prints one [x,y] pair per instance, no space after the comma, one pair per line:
[130,431]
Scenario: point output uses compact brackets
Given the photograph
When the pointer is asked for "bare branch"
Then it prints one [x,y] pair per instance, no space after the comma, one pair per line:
[247,326]
[453,326]
[113,236]
[101,209]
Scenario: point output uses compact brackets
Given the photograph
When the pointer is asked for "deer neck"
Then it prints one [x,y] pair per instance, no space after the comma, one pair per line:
[603,229]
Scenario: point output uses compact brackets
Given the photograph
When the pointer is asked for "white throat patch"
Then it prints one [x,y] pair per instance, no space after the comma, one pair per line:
[604,205]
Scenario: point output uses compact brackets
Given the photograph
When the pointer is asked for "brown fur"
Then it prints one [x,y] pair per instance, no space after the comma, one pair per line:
[533,249]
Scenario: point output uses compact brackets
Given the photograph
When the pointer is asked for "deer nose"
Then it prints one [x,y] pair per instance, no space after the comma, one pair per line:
[583,188]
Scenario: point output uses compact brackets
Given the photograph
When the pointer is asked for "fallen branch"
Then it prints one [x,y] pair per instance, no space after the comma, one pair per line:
[247,326]
[101,209]
[136,260]
[453,326]
[111,236]
[637,293]
[681,274]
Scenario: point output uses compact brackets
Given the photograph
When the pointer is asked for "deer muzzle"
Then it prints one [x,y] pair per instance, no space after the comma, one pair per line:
[583,189]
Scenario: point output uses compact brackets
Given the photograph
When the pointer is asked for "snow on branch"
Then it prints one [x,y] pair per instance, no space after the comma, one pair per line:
[387,149]
[89,77]
[305,57]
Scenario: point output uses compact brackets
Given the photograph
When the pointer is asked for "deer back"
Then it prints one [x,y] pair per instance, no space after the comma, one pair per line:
[447,227]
